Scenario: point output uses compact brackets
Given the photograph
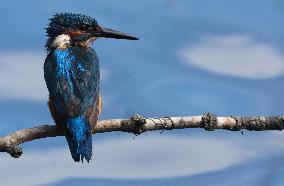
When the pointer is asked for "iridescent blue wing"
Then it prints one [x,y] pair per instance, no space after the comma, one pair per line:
[72,78]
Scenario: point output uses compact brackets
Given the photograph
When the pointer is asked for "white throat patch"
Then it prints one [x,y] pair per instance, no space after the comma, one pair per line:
[61,41]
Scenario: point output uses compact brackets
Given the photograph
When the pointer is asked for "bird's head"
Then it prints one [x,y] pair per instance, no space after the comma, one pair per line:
[70,29]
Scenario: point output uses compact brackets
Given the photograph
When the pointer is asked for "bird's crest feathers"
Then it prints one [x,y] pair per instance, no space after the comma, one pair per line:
[73,19]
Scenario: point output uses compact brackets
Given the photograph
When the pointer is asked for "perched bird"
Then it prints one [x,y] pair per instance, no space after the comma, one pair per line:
[72,75]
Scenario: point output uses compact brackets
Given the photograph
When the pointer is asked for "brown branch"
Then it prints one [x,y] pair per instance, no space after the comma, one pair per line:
[138,125]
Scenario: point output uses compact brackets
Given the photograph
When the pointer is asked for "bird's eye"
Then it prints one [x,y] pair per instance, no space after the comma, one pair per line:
[84,26]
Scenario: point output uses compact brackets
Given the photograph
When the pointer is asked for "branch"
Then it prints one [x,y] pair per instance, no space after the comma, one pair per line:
[137,125]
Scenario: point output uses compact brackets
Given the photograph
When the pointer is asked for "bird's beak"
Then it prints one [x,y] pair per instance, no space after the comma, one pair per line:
[108,33]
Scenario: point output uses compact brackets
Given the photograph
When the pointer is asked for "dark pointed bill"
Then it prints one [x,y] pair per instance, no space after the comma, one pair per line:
[108,33]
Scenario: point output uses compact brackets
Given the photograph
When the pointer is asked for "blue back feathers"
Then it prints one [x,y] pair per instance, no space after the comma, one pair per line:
[72,77]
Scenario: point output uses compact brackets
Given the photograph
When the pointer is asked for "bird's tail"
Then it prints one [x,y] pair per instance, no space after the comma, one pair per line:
[79,138]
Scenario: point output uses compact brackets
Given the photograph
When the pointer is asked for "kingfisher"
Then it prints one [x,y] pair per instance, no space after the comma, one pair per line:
[72,75]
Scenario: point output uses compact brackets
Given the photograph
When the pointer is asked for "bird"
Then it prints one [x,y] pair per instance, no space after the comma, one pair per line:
[72,76]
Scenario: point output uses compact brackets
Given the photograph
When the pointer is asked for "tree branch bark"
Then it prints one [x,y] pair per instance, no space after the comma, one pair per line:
[137,125]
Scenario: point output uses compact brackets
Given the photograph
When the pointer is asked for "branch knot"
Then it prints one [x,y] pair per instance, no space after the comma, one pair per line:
[137,121]
[209,121]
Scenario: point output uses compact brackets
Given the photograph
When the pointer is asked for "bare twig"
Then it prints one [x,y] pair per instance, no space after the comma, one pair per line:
[138,125]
